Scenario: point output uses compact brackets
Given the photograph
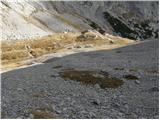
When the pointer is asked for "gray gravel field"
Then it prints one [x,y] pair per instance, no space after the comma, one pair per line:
[42,91]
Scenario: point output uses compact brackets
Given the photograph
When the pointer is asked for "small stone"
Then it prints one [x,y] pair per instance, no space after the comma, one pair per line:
[53,107]
[124,102]
[96,102]
[69,48]
[121,96]
[38,110]
[55,75]
[111,42]
[19,89]
[133,116]
[83,112]
[19,100]
[77,46]
[58,111]
[66,116]
[68,98]
[154,89]
[105,73]
[31,116]
[92,115]
[156,117]
[116,105]
[19,118]
[64,109]
[124,108]
[88,46]
[97,86]
[98,75]
[119,114]
[137,81]
[73,102]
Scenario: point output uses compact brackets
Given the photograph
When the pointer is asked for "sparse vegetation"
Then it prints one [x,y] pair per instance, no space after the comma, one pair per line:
[94,25]
[92,78]
[45,112]
[15,51]
[120,27]
[39,114]
[129,14]
[39,94]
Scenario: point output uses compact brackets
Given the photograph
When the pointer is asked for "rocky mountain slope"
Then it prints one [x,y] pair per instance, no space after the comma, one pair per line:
[55,89]
[134,20]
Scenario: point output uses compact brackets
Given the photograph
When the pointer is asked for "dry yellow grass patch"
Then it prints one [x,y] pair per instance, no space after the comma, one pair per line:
[42,115]
[15,51]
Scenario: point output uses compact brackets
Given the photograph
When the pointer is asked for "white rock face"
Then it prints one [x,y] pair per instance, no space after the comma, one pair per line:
[14,23]
[28,19]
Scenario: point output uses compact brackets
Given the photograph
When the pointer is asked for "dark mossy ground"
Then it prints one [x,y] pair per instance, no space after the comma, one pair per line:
[92,78]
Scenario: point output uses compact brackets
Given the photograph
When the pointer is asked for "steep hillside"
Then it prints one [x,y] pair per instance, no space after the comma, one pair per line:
[14,22]
[134,20]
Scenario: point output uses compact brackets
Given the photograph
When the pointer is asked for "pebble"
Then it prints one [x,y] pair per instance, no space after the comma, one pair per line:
[156,117]
[19,117]
[77,46]
[119,114]
[58,111]
[154,89]
[64,109]
[116,105]
[96,102]
[73,102]
[137,82]
[133,116]
[55,75]
[88,46]
[19,100]
[19,89]
[69,48]
[31,116]
[92,115]
[68,98]
[97,86]
[124,102]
